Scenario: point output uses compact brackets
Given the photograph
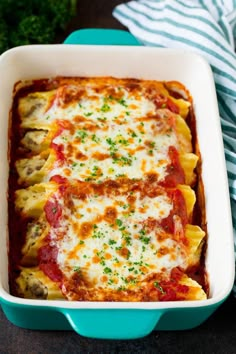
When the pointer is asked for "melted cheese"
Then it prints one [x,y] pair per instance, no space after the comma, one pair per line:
[111,138]
[107,251]
[127,148]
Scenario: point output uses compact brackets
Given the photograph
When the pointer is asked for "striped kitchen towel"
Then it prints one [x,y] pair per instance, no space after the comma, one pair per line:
[209,28]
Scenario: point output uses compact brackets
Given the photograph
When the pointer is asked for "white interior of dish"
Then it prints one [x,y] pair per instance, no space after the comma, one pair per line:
[32,62]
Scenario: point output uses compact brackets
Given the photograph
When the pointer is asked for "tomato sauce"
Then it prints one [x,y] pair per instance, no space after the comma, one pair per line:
[175,173]
[53,211]
[47,256]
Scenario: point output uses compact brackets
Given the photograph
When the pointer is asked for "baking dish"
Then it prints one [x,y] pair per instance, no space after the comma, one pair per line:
[125,320]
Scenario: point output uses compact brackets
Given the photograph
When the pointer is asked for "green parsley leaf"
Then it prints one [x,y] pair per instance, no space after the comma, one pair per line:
[107,270]
[77,269]
[145,240]
[95,138]
[119,222]
[122,102]
[88,114]
[105,107]
[111,242]
[158,286]
[82,134]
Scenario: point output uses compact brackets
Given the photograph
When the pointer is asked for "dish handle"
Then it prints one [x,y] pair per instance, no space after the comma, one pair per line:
[112,323]
[101,36]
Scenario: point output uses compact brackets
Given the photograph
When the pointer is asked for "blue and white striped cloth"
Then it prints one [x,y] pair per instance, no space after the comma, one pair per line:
[207,27]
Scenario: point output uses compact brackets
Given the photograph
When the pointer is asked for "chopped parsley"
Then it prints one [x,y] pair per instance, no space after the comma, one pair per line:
[105,108]
[120,175]
[119,222]
[123,142]
[158,286]
[96,172]
[107,270]
[125,206]
[112,146]
[88,114]
[74,164]
[111,242]
[152,143]
[82,134]
[128,240]
[110,97]
[121,288]
[88,179]
[122,102]
[98,234]
[77,269]
[123,160]
[102,119]
[109,141]
[118,248]
[145,239]
[134,135]
[95,138]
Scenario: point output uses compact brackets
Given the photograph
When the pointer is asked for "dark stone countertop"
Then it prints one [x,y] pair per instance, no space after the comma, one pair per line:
[217,335]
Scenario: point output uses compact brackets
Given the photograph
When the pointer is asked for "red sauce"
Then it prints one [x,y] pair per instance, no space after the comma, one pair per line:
[175,173]
[53,211]
[179,208]
[47,257]
[172,106]
[160,101]
[172,290]
[59,151]
[58,179]
[52,271]
[47,254]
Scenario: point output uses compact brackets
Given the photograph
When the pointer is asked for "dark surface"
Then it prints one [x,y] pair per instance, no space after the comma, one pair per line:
[216,335]
[93,14]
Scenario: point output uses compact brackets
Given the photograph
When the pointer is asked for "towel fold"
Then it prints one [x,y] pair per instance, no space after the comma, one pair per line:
[207,27]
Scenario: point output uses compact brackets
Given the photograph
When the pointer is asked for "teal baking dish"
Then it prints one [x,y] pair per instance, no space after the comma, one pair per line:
[119,320]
